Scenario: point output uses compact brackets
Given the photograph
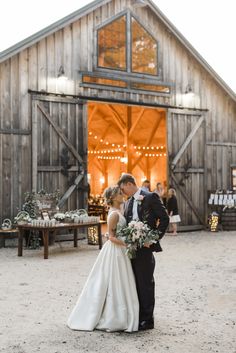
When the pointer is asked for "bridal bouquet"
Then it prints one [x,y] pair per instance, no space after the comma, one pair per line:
[135,235]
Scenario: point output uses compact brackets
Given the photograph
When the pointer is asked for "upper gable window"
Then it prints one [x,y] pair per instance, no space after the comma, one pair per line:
[112,45]
[125,45]
[144,50]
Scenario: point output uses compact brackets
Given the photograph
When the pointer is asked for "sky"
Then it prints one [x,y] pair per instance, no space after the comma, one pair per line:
[209,25]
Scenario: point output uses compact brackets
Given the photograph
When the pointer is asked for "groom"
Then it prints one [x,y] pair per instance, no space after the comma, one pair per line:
[146,207]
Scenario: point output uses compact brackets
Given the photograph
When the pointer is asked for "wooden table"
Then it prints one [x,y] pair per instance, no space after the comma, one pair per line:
[45,233]
[6,232]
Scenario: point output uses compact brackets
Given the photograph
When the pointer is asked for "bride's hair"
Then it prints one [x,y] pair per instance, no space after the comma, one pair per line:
[109,194]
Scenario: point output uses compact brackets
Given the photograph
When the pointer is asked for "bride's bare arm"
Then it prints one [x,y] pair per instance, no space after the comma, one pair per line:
[112,224]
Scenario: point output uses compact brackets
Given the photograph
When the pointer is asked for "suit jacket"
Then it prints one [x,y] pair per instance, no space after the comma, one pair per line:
[152,210]
[172,205]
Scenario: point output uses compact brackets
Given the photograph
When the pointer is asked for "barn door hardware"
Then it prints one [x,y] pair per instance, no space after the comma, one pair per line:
[186,175]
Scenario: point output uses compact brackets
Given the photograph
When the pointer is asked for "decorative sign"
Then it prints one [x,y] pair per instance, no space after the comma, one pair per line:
[45,203]
[223,199]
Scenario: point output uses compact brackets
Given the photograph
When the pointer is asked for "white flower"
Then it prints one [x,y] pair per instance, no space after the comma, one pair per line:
[59,216]
[139,199]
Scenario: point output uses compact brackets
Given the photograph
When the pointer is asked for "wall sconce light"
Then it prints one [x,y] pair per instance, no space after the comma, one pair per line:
[61,73]
[189,90]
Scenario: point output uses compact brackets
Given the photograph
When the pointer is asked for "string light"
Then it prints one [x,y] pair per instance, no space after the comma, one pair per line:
[124,146]
[109,157]
[104,152]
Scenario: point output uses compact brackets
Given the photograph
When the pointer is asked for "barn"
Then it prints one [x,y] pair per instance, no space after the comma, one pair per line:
[114,87]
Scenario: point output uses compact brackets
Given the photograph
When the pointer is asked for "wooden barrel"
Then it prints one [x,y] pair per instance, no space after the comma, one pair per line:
[228,219]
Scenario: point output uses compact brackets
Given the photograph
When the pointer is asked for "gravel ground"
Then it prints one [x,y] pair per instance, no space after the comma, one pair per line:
[195,299]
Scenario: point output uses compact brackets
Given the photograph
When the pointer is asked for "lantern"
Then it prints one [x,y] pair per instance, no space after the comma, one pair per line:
[213,221]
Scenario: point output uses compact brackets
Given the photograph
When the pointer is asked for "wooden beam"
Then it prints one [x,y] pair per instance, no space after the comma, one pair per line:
[71,189]
[61,134]
[153,131]
[187,198]
[98,144]
[148,169]
[34,145]
[82,115]
[136,122]
[92,114]
[127,141]
[119,121]
[99,165]
[189,170]
[185,111]
[218,143]
[83,99]
[154,162]
[186,142]
[53,168]
[15,132]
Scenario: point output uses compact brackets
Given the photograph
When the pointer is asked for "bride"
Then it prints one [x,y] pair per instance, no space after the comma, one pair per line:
[109,299]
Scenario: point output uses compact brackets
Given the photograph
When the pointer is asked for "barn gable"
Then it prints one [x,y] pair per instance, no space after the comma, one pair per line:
[95,5]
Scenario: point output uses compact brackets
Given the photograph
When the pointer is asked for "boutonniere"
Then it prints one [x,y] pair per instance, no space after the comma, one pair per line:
[140,199]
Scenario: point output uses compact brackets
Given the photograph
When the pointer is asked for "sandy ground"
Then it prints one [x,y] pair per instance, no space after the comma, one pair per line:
[195,299]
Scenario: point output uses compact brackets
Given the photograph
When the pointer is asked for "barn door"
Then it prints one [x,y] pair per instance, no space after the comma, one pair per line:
[186,147]
[59,143]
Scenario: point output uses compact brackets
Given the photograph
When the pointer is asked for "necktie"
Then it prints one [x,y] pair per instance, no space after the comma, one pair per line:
[129,215]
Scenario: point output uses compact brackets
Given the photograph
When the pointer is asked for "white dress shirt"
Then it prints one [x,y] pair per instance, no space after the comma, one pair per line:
[135,205]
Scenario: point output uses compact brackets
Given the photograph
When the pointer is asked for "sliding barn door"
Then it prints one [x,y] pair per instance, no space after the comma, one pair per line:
[59,145]
[186,147]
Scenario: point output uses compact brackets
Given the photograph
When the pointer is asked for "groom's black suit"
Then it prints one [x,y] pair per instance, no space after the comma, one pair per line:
[150,210]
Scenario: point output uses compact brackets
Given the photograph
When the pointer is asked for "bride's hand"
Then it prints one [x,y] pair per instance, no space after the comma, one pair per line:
[146,245]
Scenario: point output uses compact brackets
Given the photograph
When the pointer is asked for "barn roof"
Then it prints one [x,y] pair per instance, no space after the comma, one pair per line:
[15,49]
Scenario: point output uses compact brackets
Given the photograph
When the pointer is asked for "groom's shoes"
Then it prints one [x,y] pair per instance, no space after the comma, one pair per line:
[146,325]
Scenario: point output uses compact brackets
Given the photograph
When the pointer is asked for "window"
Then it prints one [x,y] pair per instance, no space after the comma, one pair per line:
[144,50]
[233,175]
[104,81]
[127,59]
[115,46]
[149,87]
[122,84]
[112,45]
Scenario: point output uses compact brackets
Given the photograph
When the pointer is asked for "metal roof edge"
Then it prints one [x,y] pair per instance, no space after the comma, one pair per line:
[34,38]
[191,49]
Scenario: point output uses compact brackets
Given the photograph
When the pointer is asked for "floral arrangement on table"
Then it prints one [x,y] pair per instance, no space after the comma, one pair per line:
[135,235]
[22,217]
[6,224]
[33,200]
[76,216]
[59,216]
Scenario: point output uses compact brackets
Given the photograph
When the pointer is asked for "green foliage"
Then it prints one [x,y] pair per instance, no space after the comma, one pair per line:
[30,204]
[136,235]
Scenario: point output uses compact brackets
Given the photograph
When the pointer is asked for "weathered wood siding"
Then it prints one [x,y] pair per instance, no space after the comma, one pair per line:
[36,68]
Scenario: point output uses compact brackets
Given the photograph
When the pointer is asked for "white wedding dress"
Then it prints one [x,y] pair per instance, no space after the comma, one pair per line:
[109,298]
